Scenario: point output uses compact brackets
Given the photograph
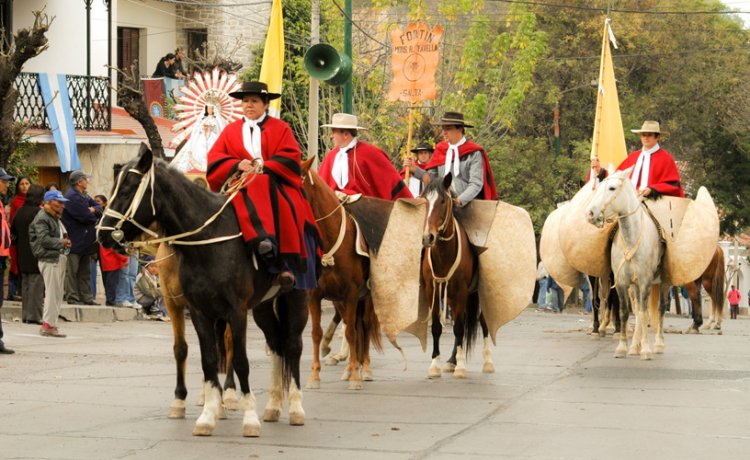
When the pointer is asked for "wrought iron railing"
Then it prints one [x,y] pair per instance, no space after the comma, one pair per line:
[89,100]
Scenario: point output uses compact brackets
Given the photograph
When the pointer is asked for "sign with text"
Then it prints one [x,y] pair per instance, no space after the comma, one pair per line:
[414,61]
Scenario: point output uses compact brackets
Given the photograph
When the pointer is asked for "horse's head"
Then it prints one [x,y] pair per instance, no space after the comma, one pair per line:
[439,196]
[130,210]
[614,197]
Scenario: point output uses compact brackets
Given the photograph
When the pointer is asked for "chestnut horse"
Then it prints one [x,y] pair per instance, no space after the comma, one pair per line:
[219,282]
[713,282]
[343,280]
[449,268]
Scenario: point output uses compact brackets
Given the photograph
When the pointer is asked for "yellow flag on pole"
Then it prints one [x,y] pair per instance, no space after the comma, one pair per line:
[608,143]
[272,68]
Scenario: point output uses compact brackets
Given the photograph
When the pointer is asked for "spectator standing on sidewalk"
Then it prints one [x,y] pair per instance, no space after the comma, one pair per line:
[734,297]
[51,245]
[541,276]
[5,178]
[14,277]
[79,217]
[32,283]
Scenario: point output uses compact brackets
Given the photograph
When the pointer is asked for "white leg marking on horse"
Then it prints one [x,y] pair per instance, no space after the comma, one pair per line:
[460,371]
[231,402]
[645,347]
[275,391]
[489,366]
[206,423]
[201,397]
[434,370]
[296,412]
[177,409]
[250,421]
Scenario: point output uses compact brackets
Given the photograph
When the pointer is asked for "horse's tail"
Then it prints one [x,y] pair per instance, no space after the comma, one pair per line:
[367,329]
[223,344]
[373,325]
[471,323]
[718,283]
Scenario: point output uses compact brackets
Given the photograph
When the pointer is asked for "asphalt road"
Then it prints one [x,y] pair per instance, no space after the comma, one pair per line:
[103,392]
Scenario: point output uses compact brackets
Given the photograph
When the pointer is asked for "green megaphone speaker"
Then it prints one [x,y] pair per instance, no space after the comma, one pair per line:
[325,63]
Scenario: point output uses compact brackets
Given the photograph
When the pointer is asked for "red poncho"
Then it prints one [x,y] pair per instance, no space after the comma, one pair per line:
[489,190]
[371,173]
[272,205]
[111,260]
[662,171]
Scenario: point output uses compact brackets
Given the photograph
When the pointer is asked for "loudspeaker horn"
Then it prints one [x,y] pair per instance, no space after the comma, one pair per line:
[324,62]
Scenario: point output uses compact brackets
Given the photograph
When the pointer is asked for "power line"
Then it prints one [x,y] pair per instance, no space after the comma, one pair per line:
[616,10]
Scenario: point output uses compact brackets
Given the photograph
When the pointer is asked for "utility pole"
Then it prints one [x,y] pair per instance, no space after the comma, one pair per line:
[313,101]
[348,52]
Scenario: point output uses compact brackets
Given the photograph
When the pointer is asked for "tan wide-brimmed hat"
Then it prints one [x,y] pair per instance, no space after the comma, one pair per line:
[343,121]
[650,126]
[453,119]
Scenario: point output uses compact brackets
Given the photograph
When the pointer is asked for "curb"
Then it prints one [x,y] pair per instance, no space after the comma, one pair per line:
[11,312]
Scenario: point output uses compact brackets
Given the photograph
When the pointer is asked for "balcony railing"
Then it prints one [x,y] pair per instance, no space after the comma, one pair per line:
[89,100]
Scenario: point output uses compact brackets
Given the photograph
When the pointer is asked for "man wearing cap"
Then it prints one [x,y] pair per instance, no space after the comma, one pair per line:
[654,170]
[467,161]
[50,245]
[5,178]
[80,217]
[276,220]
[423,153]
[355,167]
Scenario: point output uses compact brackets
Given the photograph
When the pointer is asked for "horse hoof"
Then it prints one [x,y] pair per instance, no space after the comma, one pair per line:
[271,415]
[202,429]
[659,349]
[620,352]
[324,350]
[250,430]
[346,375]
[634,351]
[488,368]
[602,334]
[296,418]
[595,336]
[230,399]
[177,409]
[312,384]
[449,367]
[459,373]
[331,361]
[693,330]
[367,376]
[221,414]
[433,373]
[355,385]
[646,356]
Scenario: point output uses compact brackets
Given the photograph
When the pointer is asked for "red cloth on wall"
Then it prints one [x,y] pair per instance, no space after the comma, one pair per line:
[272,205]
[489,190]
[661,171]
[371,173]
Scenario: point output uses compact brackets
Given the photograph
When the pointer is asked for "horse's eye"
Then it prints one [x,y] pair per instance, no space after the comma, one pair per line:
[611,188]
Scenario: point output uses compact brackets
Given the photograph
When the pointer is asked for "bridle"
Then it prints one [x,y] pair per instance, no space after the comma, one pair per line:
[609,201]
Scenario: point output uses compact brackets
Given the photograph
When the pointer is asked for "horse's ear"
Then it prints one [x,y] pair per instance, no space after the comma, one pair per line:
[145,158]
[306,165]
[626,172]
[447,180]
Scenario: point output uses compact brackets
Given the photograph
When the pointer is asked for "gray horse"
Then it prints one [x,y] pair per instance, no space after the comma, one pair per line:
[637,252]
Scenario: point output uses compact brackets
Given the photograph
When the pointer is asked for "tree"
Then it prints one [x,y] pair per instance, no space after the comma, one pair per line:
[26,44]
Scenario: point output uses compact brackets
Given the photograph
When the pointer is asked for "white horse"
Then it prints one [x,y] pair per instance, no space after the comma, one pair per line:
[637,252]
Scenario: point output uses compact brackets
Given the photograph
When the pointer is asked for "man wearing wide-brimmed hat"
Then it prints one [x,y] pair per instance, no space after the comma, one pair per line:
[654,170]
[423,153]
[467,161]
[276,220]
[355,167]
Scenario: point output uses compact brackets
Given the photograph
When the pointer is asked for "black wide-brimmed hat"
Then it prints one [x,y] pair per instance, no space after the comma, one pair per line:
[423,147]
[453,119]
[254,87]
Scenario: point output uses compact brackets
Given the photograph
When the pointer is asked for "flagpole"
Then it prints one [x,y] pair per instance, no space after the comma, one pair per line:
[410,132]
[313,96]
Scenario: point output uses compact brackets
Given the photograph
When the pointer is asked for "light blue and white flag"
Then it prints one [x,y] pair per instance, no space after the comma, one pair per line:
[54,89]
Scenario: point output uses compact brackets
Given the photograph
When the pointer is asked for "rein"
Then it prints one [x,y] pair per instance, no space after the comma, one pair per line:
[147,179]
[440,283]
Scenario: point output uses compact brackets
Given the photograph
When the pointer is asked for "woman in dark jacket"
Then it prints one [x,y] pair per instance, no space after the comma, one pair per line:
[32,296]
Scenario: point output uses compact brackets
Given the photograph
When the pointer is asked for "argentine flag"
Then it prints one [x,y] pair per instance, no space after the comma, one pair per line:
[54,89]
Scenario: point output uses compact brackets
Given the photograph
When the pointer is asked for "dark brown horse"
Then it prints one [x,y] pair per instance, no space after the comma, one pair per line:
[714,283]
[449,267]
[343,280]
[219,281]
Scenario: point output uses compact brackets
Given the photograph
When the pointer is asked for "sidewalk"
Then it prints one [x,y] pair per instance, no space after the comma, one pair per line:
[11,312]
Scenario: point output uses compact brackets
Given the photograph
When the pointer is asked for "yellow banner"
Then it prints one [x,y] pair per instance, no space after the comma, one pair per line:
[609,138]
[272,68]
[414,61]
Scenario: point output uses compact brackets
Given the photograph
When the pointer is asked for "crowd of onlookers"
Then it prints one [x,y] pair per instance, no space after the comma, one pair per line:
[48,246]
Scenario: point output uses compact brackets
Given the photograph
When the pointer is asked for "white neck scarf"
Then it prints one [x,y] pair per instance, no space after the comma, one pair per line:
[451,157]
[340,170]
[251,138]
[643,168]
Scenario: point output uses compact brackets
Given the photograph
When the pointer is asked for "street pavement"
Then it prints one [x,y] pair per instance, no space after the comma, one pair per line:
[103,392]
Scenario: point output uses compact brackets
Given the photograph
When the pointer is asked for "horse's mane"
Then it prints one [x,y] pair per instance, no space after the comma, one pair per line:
[436,185]
[181,183]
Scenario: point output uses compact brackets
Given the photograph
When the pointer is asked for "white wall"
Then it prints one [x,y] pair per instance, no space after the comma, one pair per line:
[67,36]
[158,32]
